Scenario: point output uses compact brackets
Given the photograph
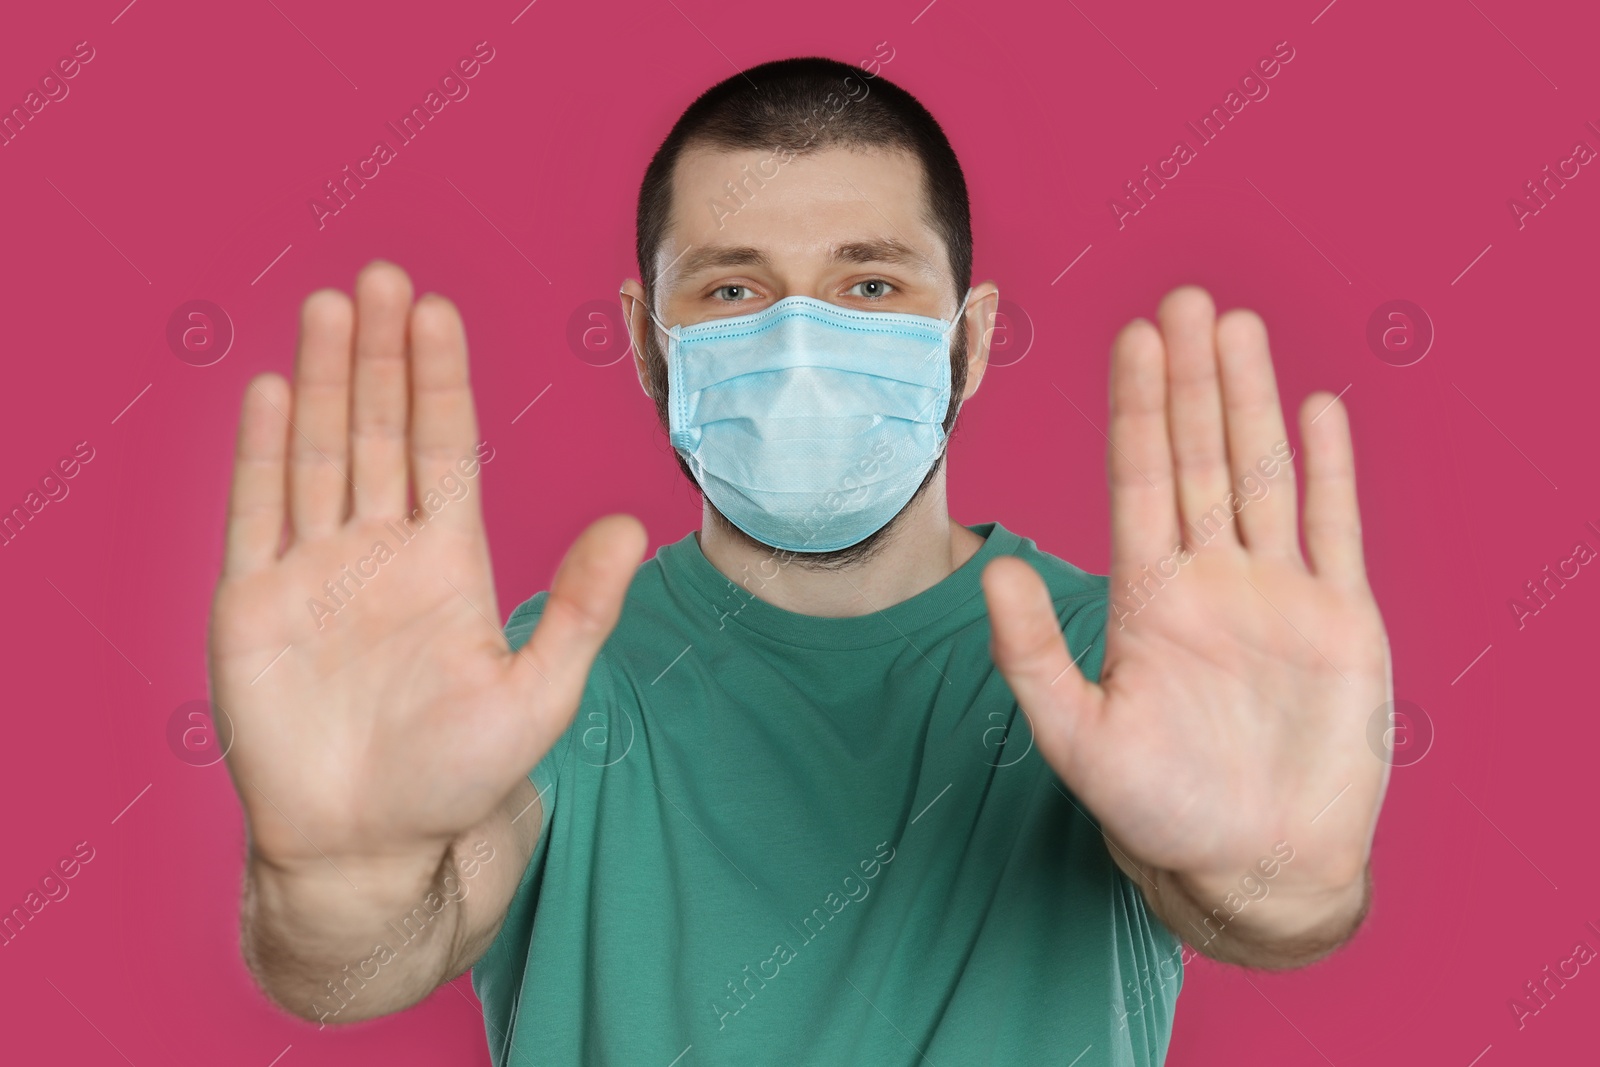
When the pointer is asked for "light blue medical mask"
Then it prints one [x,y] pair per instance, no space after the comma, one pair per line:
[807,424]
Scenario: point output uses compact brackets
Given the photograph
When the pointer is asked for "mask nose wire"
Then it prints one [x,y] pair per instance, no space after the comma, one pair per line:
[955,320]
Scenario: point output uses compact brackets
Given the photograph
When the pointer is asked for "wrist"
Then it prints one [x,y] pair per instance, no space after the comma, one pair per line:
[329,898]
[358,873]
[1283,923]
[346,944]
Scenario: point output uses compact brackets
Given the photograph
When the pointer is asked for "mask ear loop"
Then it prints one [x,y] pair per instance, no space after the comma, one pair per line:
[944,348]
[955,322]
[650,311]
[664,327]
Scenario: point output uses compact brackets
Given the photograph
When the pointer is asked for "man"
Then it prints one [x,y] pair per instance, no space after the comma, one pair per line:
[829,781]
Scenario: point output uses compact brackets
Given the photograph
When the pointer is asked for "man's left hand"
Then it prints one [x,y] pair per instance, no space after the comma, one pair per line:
[1232,709]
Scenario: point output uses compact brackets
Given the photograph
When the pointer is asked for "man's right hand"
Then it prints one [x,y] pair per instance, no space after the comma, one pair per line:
[379,715]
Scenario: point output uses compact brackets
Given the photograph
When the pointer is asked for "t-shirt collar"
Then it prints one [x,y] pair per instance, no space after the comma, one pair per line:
[734,606]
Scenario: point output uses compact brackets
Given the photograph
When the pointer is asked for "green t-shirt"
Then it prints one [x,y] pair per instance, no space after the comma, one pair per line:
[778,838]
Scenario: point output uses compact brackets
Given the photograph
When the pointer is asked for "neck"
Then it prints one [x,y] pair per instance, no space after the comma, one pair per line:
[922,547]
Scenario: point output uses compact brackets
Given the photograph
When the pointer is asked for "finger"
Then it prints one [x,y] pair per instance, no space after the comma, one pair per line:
[584,604]
[1144,513]
[319,440]
[378,409]
[1258,445]
[255,502]
[1332,518]
[1194,418]
[1027,645]
[444,427]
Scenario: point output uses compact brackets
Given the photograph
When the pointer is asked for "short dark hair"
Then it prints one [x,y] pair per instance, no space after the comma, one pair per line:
[794,107]
[787,105]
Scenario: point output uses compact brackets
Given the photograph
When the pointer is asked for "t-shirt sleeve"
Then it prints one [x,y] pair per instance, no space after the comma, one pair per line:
[1082,613]
[1148,952]
[497,977]
[1083,616]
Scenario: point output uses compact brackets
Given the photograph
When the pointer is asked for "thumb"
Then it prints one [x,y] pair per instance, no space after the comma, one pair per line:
[1027,645]
[582,609]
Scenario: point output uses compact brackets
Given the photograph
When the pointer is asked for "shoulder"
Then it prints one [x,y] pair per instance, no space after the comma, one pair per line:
[644,590]
[1070,585]
[519,627]
[1081,599]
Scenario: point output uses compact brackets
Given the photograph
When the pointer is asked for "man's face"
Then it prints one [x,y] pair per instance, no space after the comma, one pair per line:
[841,225]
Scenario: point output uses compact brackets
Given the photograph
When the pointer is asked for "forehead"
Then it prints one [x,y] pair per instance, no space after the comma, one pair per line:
[837,203]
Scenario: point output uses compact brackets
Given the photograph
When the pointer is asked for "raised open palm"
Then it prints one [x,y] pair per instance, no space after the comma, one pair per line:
[1237,684]
[355,643]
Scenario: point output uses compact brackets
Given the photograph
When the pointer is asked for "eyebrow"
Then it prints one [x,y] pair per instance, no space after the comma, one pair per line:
[874,250]
[880,250]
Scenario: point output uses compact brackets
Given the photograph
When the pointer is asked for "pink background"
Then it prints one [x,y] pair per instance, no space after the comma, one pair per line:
[1379,168]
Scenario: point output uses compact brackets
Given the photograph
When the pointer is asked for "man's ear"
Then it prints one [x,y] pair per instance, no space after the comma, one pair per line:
[982,306]
[636,313]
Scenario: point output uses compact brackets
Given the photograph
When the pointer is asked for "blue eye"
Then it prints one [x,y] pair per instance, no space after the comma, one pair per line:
[880,288]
